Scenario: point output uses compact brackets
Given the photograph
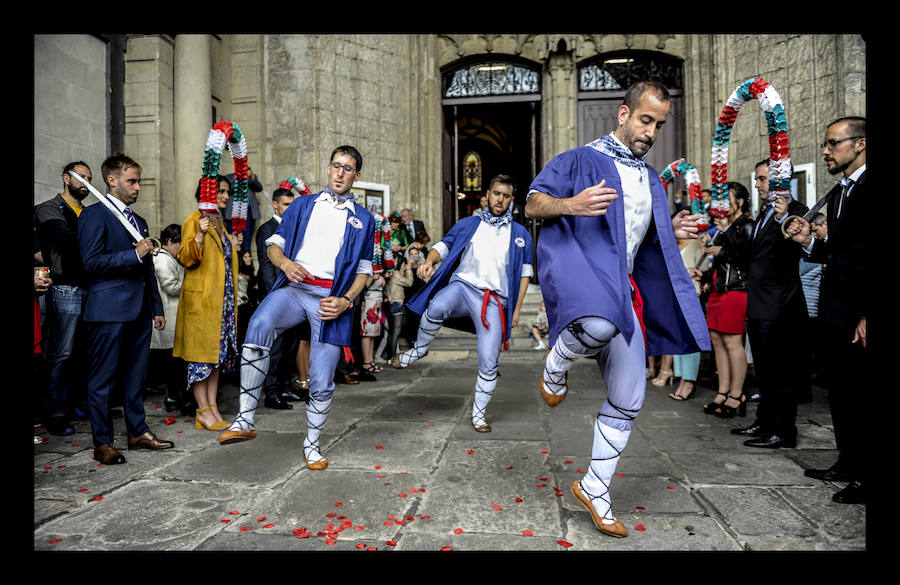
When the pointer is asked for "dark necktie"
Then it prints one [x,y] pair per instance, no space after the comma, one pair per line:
[130,216]
[762,218]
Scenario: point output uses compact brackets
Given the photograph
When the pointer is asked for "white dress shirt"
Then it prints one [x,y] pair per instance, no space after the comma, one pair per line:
[638,205]
[485,260]
[323,238]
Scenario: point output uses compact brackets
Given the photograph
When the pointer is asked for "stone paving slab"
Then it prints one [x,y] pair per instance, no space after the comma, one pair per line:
[397,446]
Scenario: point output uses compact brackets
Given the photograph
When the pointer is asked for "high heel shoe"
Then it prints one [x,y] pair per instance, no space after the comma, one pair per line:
[675,396]
[216,426]
[713,407]
[664,378]
[726,411]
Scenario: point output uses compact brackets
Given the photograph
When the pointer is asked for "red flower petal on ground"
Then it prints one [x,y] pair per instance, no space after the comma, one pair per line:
[579,470]
[261,519]
[83,490]
[379,446]
[97,498]
[361,546]
[391,517]
[54,540]
[421,490]
[404,473]
[245,529]
[360,527]
[470,452]
[424,517]
[620,475]
[410,518]
[445,548]
[169,420]
[234,512]
[544,478]
[387,523]
[47,467]
[93,470]
[178,432]
[330,515]
[544,451]
[564,543]
[540,485]
[527,532]
[640,527]
[391,543]
[297,531]
[269,525]
[225,521]
[670,487]
[371,548]
[559,494]
[457,531]
[338,504]
[569,462]
[431,424]
[498,508]
[510,467]
[74,444]
[381,476]
[639,508]
[401,495]
[518,499]
[377,467]
[330,541]
[60,466]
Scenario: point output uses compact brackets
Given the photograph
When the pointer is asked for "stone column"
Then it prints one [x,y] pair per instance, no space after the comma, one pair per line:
[560,105]
[193,116]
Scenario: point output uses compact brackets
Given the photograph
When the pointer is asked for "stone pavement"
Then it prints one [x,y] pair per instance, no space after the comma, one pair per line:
[408,473]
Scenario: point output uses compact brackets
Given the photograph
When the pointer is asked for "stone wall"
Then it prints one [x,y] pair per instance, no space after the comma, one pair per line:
[70,109]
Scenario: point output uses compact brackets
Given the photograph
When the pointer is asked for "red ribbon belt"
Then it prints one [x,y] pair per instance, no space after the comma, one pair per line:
[638,303]
[484,305]
[319,282]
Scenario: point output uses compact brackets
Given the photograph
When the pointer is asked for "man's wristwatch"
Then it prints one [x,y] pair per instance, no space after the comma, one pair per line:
[349,302]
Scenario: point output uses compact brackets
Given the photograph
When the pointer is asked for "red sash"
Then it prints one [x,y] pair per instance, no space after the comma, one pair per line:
[484,305]
[638,303]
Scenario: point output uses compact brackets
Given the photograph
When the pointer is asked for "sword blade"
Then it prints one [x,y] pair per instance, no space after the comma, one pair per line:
[132,231]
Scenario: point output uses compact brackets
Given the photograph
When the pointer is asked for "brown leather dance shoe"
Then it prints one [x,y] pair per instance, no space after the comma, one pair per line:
[550,398]
[616,529]
[228,437]
[485,428]
[317,465]
[149,441]
[108,455]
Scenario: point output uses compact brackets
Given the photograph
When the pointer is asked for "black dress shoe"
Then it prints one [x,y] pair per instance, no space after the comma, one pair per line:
[277,403]
[291,396]
[60,427]
[772,442]
[754,430]
[345,379]
[365,376]
[833,473]
[854,493]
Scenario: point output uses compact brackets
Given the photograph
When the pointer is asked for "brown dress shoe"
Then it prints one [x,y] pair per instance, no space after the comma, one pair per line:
[346,379]
[228,437]
[616,529]
[108,455]
[149,441]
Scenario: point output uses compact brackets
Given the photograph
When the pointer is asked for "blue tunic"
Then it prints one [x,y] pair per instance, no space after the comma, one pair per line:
[359,233]
[456,240]
[583,266]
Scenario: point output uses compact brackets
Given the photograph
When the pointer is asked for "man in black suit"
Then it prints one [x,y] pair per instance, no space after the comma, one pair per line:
[122,304]
[277,385]
[776,311]
[844,303]
[412,226]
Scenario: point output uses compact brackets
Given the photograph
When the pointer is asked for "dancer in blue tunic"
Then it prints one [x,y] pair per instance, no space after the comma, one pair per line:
[483,277]
[323,247]
[606,220]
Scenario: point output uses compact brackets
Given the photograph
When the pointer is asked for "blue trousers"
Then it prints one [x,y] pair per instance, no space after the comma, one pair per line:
[282,309]
[687,366]
[64,309]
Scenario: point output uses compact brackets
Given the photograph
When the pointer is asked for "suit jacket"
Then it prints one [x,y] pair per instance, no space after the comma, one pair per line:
[844,292]
[199,322]
[119,283]
[774,289]
[267,272]
[418,226]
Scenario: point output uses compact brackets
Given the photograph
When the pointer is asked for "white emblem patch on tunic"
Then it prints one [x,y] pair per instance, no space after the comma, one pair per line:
[354,221]
[520,242]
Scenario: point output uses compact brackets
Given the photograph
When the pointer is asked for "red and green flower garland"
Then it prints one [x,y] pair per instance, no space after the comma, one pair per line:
[297,184]
[222,133]
[779,153]
[695,189]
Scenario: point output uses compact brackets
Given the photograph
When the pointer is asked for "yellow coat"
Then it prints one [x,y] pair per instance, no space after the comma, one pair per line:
[198,325]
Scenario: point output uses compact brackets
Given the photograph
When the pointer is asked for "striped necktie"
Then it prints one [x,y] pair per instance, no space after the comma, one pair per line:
[130,216]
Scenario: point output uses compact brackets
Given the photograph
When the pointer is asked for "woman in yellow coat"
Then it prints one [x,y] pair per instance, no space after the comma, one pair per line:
[205,329]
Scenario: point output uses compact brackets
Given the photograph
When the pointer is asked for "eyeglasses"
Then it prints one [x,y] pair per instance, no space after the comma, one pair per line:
[830,144]
[338,166]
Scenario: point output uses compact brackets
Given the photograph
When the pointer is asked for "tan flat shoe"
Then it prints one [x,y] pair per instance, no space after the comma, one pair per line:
[229,437]
[616,529]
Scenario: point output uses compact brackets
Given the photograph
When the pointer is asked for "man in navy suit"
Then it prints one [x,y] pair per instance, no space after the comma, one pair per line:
[122,303]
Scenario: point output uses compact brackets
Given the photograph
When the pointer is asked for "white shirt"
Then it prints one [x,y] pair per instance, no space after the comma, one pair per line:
[121,207]
[323,238]
[638,205]
[484,261]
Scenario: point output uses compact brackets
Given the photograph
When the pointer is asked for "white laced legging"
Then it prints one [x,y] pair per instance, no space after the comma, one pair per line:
[484,391]
[254,365]
[316,415]
[584,337]
[428,328]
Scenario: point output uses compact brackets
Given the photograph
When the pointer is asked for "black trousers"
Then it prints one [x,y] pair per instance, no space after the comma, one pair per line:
[849,389]
[780,364]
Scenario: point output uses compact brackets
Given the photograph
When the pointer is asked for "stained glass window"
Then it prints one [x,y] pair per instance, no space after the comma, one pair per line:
[621,69]
[492,78]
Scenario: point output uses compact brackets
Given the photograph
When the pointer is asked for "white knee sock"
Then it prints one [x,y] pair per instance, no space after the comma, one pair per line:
[608,446]
[484,391]
[254,365]
[316,415]
[428,328]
